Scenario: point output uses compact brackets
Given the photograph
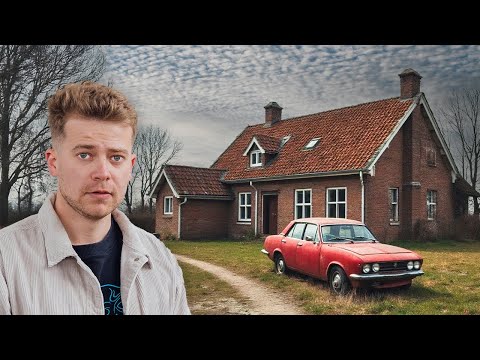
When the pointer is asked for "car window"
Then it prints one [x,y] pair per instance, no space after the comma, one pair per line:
[297,231]
[310,230]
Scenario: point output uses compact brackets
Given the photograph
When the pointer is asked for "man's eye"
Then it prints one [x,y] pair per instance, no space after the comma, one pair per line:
[117,157]
[83,155]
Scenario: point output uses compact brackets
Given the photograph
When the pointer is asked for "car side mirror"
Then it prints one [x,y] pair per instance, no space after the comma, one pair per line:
[308,238]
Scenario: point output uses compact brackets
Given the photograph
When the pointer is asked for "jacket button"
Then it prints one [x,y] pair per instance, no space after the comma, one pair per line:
[136,259]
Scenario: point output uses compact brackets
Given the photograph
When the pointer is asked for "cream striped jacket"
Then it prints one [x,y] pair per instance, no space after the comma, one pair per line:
[40,272]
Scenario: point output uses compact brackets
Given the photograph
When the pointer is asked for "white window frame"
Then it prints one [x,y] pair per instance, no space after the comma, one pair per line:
[244,205]
[312,143]
[393,204]
[432,204]
[256,158]
[327,202]
[303,204]
[165,205]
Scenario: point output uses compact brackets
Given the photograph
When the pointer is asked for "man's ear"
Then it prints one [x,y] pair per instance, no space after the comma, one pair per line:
[51,157]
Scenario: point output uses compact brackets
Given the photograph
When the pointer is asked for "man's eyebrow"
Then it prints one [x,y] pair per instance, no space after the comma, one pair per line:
[89,147]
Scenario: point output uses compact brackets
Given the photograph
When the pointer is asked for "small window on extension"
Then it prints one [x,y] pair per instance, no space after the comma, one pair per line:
[312,144]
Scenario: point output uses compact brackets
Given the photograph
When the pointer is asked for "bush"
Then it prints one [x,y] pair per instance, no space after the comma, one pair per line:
[144,220]
[426,230]
[467,227]
[249,235]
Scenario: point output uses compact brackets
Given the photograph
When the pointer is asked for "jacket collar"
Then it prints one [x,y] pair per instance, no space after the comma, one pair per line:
[58,245]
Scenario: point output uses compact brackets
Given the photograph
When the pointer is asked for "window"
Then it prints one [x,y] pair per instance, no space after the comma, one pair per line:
[303,203]
[296,231]
[393,200]
[312,144]
[168,205]
[245,207]
[311,232]
[431,204]
[255,158]
[284,140]
[431,157]
[337,202]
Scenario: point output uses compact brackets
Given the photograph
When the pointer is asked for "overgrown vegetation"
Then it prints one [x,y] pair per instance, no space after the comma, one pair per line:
[449,286]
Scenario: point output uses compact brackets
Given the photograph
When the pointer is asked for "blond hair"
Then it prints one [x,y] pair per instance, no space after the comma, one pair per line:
[91,100]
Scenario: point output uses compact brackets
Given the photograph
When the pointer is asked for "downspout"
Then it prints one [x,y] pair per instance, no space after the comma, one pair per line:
[363,196]
[256,207]
[180,216]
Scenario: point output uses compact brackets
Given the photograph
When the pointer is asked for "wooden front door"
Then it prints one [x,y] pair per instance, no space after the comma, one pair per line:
[270,208]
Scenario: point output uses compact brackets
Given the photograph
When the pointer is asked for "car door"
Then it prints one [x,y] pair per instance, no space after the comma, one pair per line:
[308,251]
[289,244]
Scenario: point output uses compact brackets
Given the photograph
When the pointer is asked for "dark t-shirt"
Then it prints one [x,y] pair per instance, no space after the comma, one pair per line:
[103,258]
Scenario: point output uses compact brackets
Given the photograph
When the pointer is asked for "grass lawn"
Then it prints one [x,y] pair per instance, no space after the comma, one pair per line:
[450,284]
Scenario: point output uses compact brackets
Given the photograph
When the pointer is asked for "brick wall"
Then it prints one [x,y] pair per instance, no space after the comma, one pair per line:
[286,200]
[404,165]
[166,224]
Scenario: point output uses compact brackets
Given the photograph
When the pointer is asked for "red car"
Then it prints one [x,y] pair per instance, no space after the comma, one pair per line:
[343,252]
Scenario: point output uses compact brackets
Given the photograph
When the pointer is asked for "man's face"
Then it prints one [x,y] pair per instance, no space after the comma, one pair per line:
[93,163]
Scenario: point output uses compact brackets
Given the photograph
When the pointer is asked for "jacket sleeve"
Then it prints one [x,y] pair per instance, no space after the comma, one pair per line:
[5,308]
[181,304]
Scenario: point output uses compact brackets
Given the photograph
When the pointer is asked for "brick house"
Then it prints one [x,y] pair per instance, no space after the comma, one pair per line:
[384,162]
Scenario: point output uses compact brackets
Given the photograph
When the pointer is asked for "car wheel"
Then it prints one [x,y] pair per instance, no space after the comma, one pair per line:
[280,265]
[338,281]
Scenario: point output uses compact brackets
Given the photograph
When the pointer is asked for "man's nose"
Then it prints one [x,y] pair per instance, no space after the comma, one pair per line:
[102,170]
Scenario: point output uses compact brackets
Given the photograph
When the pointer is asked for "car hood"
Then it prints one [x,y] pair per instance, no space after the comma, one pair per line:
[371,248]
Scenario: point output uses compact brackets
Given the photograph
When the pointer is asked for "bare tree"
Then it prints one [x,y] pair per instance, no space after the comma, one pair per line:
[129,198]
[155,148]
[29,74]
[462,116]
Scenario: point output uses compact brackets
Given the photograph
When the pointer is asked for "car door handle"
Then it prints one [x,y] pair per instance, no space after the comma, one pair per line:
[284,241]
[300,244]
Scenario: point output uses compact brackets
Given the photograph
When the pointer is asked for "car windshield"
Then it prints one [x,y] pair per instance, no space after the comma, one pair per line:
[346,232]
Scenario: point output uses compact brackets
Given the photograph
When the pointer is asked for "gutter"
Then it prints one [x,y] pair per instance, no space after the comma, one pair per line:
[180,217]
[362,204]
[256,207]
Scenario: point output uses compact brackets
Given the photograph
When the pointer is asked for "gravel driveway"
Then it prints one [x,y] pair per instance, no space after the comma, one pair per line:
[262,301]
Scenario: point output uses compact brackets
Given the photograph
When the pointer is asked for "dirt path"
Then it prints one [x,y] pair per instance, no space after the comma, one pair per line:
[262,301]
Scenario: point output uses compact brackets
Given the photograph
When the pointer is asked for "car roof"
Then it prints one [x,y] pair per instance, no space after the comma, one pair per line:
[329,221]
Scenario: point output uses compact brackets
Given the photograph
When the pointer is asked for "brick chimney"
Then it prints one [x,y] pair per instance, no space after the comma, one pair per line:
[273,113]
[409,83]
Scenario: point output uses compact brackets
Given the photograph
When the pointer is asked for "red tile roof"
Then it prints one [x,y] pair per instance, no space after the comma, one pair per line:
[270,144]
[349,138]
[195,181]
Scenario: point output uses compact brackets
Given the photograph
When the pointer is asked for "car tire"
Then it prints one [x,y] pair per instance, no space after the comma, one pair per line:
[338,281]
[280,265]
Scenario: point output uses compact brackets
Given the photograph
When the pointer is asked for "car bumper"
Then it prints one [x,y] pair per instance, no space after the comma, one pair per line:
[387,277]
[264,252]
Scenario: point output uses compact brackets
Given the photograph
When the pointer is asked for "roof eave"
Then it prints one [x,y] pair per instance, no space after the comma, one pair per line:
[297,176]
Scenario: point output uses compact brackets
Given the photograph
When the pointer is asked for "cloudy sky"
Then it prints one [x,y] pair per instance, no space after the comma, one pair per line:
[206,95]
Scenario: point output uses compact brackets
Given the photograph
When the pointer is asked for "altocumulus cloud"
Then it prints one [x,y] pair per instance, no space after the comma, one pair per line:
[206,95]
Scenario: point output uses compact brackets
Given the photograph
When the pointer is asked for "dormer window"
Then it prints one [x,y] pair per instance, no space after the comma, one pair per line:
[256,158]
[312,144]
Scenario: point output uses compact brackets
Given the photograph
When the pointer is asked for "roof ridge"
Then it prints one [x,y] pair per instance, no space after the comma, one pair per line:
[192,167]
[331,110]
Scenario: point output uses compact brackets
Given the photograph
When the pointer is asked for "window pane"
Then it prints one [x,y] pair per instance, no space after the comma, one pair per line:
[307,210]
[341,194]
[311,231]
[332,210]
[332,195]
[249,199]
[307,196]
[299,213]
[242,213]
[298,231]
[249,213]
[300,197]
[242,199]
[341,210]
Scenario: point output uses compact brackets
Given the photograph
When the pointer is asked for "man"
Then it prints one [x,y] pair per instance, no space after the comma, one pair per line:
[80,254]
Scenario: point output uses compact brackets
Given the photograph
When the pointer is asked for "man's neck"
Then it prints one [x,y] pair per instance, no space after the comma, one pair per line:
[80,230]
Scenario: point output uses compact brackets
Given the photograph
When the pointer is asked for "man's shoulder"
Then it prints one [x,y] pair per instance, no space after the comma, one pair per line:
[16,230]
